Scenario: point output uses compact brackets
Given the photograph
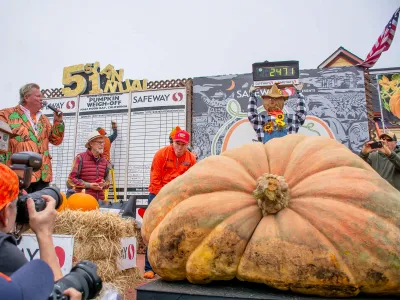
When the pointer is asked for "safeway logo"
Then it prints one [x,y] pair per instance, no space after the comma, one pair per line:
[177,97]
[128,252]
[34,254]
[127,257]
[70,104]
[131,252]
[61,255]
[63,247]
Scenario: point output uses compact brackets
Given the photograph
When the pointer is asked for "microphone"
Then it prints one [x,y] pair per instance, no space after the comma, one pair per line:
[46,104]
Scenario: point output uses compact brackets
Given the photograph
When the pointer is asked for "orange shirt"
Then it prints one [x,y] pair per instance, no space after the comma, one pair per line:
[166,167]
[107,148]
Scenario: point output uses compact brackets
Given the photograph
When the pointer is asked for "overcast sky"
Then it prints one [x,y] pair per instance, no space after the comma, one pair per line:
[180,39]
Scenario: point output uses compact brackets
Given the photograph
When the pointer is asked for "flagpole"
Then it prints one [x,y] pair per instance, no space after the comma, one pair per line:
[380,104]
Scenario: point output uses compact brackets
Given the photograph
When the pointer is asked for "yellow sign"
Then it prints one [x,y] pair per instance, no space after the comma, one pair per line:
[88,79]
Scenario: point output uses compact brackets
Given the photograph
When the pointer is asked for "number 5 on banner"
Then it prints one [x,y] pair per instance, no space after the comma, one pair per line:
[69,78]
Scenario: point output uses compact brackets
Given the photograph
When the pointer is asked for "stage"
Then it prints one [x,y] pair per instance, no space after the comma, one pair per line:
[225,290]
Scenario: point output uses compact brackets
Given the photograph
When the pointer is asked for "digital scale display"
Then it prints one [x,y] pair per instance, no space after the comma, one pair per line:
[279,70]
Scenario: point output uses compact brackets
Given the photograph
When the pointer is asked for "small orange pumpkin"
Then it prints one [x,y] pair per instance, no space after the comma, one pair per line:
[63,205]
[395,104]
[83,202]
[297,213]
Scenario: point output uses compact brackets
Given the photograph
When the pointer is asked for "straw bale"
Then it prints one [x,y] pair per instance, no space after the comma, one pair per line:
[95,223]
[97,238]
[108,272]
[96,248]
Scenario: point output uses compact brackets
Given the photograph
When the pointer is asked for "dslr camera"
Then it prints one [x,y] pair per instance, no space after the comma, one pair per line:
[83,277]
[24,164]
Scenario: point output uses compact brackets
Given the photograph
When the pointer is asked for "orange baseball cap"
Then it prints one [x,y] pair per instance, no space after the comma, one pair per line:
[9,185]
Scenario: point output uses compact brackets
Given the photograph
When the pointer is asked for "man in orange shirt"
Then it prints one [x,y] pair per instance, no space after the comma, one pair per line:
[108,139]
[168,163]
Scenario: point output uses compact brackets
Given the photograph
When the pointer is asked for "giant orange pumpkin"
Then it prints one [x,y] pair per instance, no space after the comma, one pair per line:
[395,104]
[298,213]
[83,202]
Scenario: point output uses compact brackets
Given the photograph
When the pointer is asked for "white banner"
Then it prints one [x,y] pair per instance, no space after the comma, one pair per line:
[66,105]
[158,98]
[103,102]
[63,245]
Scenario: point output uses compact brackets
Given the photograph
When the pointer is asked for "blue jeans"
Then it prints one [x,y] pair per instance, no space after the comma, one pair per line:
[147,266]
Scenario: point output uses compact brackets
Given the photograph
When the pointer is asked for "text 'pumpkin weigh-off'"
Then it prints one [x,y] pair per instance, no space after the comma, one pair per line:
[298,213]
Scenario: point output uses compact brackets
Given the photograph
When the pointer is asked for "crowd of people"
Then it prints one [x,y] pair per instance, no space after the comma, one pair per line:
[32,131]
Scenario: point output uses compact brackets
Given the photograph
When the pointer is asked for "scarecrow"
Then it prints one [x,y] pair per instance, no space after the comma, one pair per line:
[275,123]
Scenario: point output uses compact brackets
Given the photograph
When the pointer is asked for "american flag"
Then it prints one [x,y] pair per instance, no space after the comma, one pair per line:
[383,43]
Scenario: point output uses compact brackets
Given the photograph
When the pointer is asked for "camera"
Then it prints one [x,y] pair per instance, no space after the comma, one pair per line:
[376,145]
[24,164]
[83,277]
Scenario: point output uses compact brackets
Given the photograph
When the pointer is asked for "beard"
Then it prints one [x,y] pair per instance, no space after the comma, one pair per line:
[97,151]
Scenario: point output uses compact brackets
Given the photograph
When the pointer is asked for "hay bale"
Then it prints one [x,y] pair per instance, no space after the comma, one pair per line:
[97,238]
[96,248]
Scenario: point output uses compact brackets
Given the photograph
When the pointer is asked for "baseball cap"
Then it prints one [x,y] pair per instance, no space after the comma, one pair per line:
[91,136]
[390,135]
[9,185]
[33,281]
[182,136]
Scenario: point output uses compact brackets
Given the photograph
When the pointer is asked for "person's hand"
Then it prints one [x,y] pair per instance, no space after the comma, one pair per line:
[58,117]
[102,184]
[252,89]
[73,294]
[95,186]
[367,148]
[113,124]
[298,87]
[385,149]
[42,222]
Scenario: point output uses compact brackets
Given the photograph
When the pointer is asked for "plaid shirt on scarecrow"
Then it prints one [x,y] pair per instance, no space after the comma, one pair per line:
[294,121]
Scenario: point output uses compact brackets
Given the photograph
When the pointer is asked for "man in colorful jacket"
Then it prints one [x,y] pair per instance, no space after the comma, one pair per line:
[275,123]
[90,169]
[33,132]
[168,163]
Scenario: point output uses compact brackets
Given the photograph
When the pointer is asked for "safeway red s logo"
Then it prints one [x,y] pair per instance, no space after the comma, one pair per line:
[61,255]
[177,97]
[71,104]
[131,252]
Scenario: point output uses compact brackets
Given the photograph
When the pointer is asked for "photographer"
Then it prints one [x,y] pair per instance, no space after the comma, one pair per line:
[41,223]
[385,159]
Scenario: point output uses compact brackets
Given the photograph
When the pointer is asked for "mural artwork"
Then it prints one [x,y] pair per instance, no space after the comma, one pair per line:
[335,98]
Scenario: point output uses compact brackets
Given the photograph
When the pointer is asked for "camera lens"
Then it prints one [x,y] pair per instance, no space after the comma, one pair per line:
[83,277]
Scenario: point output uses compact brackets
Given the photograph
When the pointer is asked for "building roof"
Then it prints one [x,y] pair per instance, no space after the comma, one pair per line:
[340,52]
